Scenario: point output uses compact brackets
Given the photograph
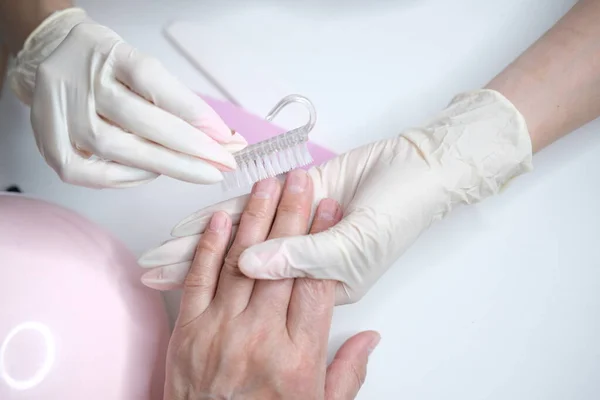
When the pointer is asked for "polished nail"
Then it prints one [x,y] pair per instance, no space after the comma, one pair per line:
[327,210]
[296,181]
[218,222]
[265,189]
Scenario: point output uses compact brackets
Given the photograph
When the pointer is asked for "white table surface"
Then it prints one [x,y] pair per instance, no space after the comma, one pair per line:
[499,301]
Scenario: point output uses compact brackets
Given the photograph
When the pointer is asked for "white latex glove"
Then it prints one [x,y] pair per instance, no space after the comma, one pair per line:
[390,191]
[106,115]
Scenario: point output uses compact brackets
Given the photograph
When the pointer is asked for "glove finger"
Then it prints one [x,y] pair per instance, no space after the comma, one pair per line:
[197,222]
[69,164]
[115,145]
[171,252]
[338,254]
[172,261]
[234,147]
[101,174]
[134,114]
[174,251]
[148,78]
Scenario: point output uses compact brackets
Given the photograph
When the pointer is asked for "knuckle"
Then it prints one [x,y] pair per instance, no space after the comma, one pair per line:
[292,207]
[209,246]
[299,370]
[261,213]
[230,266]
[316,293]
[197,279]
[233,255]
[256,338]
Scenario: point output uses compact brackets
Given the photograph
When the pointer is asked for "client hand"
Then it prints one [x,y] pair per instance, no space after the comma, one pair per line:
[237,338]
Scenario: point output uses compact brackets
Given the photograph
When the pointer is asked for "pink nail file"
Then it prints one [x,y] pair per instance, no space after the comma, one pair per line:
[256,129]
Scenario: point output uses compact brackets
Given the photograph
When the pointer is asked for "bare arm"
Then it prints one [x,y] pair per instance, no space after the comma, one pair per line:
[556,82]
[18,18]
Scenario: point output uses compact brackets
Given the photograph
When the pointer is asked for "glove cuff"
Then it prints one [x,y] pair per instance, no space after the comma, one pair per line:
[38,46]
[478,144]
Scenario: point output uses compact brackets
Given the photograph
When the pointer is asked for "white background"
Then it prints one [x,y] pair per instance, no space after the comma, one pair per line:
[500,300]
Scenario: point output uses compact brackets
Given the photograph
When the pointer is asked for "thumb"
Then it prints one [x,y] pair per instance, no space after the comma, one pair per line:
[348,370]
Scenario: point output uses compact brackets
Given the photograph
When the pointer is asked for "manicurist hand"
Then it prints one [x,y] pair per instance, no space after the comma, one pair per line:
[103,113]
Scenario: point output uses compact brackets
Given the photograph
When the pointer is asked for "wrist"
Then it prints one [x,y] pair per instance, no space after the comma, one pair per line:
[523,91]
[476,145]
[44,39]
[43,10]
[20,18]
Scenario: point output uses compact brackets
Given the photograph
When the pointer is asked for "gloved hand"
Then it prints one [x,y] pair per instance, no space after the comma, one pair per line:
[106,115]
[390,191]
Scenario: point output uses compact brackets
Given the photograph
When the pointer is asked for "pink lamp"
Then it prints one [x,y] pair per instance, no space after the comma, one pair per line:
[75,322]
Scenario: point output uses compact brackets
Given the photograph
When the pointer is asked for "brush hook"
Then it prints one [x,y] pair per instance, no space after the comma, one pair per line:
[296,98]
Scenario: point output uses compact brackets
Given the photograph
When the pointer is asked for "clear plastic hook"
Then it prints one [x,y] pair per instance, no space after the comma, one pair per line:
[296,98]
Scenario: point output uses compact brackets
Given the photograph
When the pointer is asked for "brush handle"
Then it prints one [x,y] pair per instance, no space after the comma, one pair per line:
[256,129]
[296,98]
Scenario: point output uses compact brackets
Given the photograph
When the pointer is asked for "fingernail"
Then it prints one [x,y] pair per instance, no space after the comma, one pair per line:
[374,344]
[166,278]
[296,181]
[265,189]
[327,210]
[218,222]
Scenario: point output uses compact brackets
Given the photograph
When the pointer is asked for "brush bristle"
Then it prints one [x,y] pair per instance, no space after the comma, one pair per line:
[276,155]
[256,162]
